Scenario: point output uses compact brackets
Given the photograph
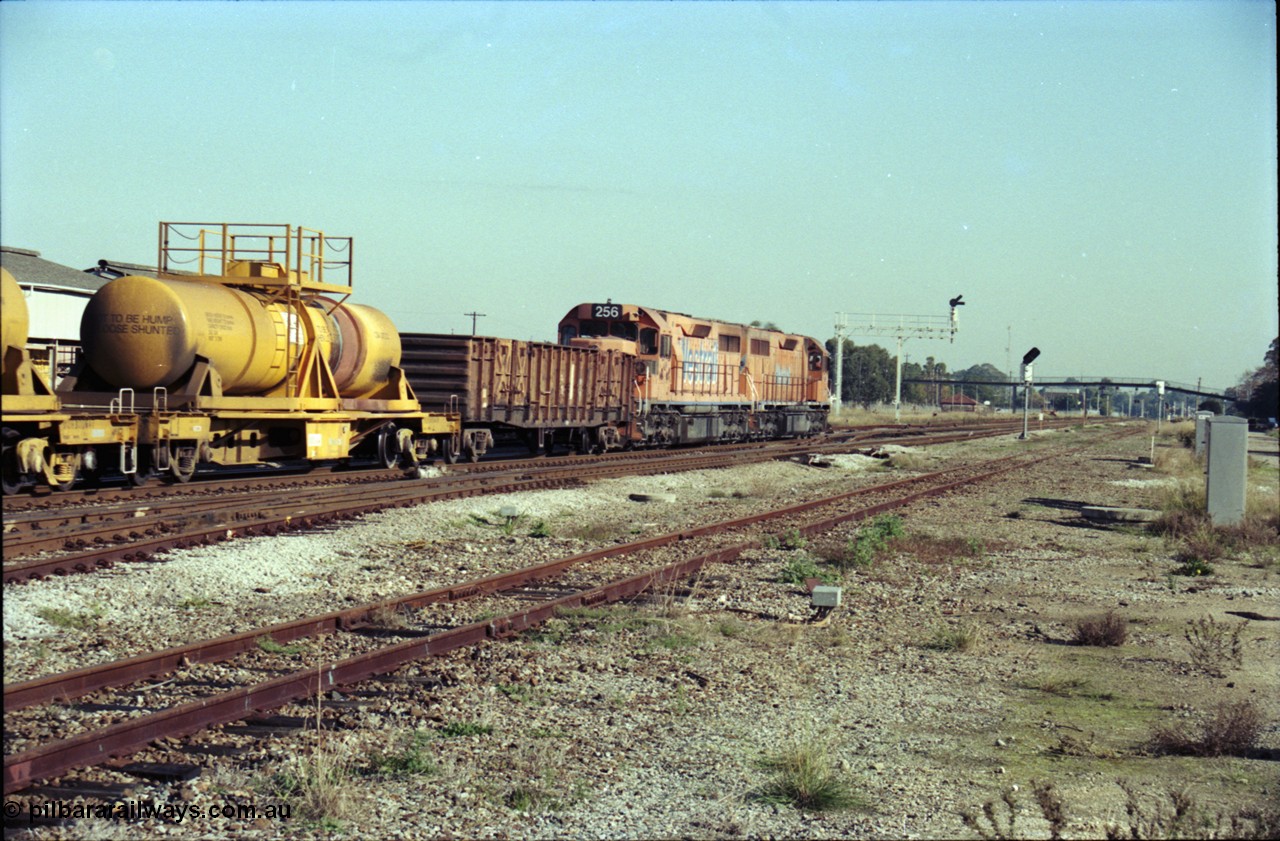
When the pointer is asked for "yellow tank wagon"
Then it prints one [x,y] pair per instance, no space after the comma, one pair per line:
[244,350]
[43,442]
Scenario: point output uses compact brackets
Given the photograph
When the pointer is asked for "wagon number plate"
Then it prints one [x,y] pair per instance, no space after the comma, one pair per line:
[606,311]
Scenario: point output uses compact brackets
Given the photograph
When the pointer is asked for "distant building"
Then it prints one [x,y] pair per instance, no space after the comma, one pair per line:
[958,403]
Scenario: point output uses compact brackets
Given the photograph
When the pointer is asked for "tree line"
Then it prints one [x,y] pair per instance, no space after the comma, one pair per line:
[870,370]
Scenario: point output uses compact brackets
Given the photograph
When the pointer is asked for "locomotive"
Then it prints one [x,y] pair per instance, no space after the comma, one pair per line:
[698,380]
[253,357]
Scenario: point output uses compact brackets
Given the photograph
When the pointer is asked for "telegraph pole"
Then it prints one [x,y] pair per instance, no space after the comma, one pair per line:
[474,316]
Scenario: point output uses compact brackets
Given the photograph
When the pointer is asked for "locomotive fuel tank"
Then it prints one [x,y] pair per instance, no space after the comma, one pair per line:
[14,317]
[141,332]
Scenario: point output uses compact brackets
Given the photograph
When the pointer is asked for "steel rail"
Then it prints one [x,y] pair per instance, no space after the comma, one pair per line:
[70,685]
[299,514]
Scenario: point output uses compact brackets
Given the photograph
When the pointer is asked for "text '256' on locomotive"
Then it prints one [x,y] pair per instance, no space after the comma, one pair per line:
[700,380]
[244,350]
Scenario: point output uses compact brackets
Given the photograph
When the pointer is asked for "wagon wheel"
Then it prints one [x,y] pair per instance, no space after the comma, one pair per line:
[13,480]
[448,450]
[90,479]
[584,441]
[144,471]
[388,447]
[549,442]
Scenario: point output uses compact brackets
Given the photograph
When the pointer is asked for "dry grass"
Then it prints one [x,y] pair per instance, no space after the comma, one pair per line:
[990,823]
[1214,646]
[318,784]
[805,776]
[1180,816]
[945,550]
[1176,461]
[1105,629]
[1232,729]
[388,617]
[962,638]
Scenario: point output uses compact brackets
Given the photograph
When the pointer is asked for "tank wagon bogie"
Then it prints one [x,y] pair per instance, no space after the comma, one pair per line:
[701,381]
[538,393]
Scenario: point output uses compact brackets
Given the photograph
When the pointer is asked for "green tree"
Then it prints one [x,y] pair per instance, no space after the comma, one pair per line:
[996,395]
[869,373]
[1258,393]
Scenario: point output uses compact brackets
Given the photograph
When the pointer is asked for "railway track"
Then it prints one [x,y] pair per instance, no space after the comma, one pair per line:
[98,537]
[42,499]
[195,695]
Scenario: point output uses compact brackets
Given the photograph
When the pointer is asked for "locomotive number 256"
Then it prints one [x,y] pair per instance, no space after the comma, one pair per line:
[606,311]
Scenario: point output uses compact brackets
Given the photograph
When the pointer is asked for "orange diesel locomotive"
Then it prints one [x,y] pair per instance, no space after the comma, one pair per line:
[699,380]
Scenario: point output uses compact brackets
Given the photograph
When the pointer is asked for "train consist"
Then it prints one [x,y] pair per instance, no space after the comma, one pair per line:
[624,376]
[254,357]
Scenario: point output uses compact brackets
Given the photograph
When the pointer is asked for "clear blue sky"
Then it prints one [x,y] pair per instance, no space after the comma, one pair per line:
[1101,176]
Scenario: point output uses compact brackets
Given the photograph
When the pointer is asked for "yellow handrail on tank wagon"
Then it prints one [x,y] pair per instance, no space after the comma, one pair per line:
[263,255]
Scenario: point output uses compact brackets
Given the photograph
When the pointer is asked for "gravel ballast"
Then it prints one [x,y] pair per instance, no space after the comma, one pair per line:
[660,719]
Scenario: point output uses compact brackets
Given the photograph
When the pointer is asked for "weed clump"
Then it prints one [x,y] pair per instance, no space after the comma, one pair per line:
[1182,817]
[1232,729]
[798,570]
[1108,629]
[955,638]
[410,759]
[804,776]
[1214,646]
[318,784]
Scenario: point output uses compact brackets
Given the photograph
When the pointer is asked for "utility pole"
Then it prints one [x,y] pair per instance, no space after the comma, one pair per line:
[474,316]
[901,327]
[1008,367]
